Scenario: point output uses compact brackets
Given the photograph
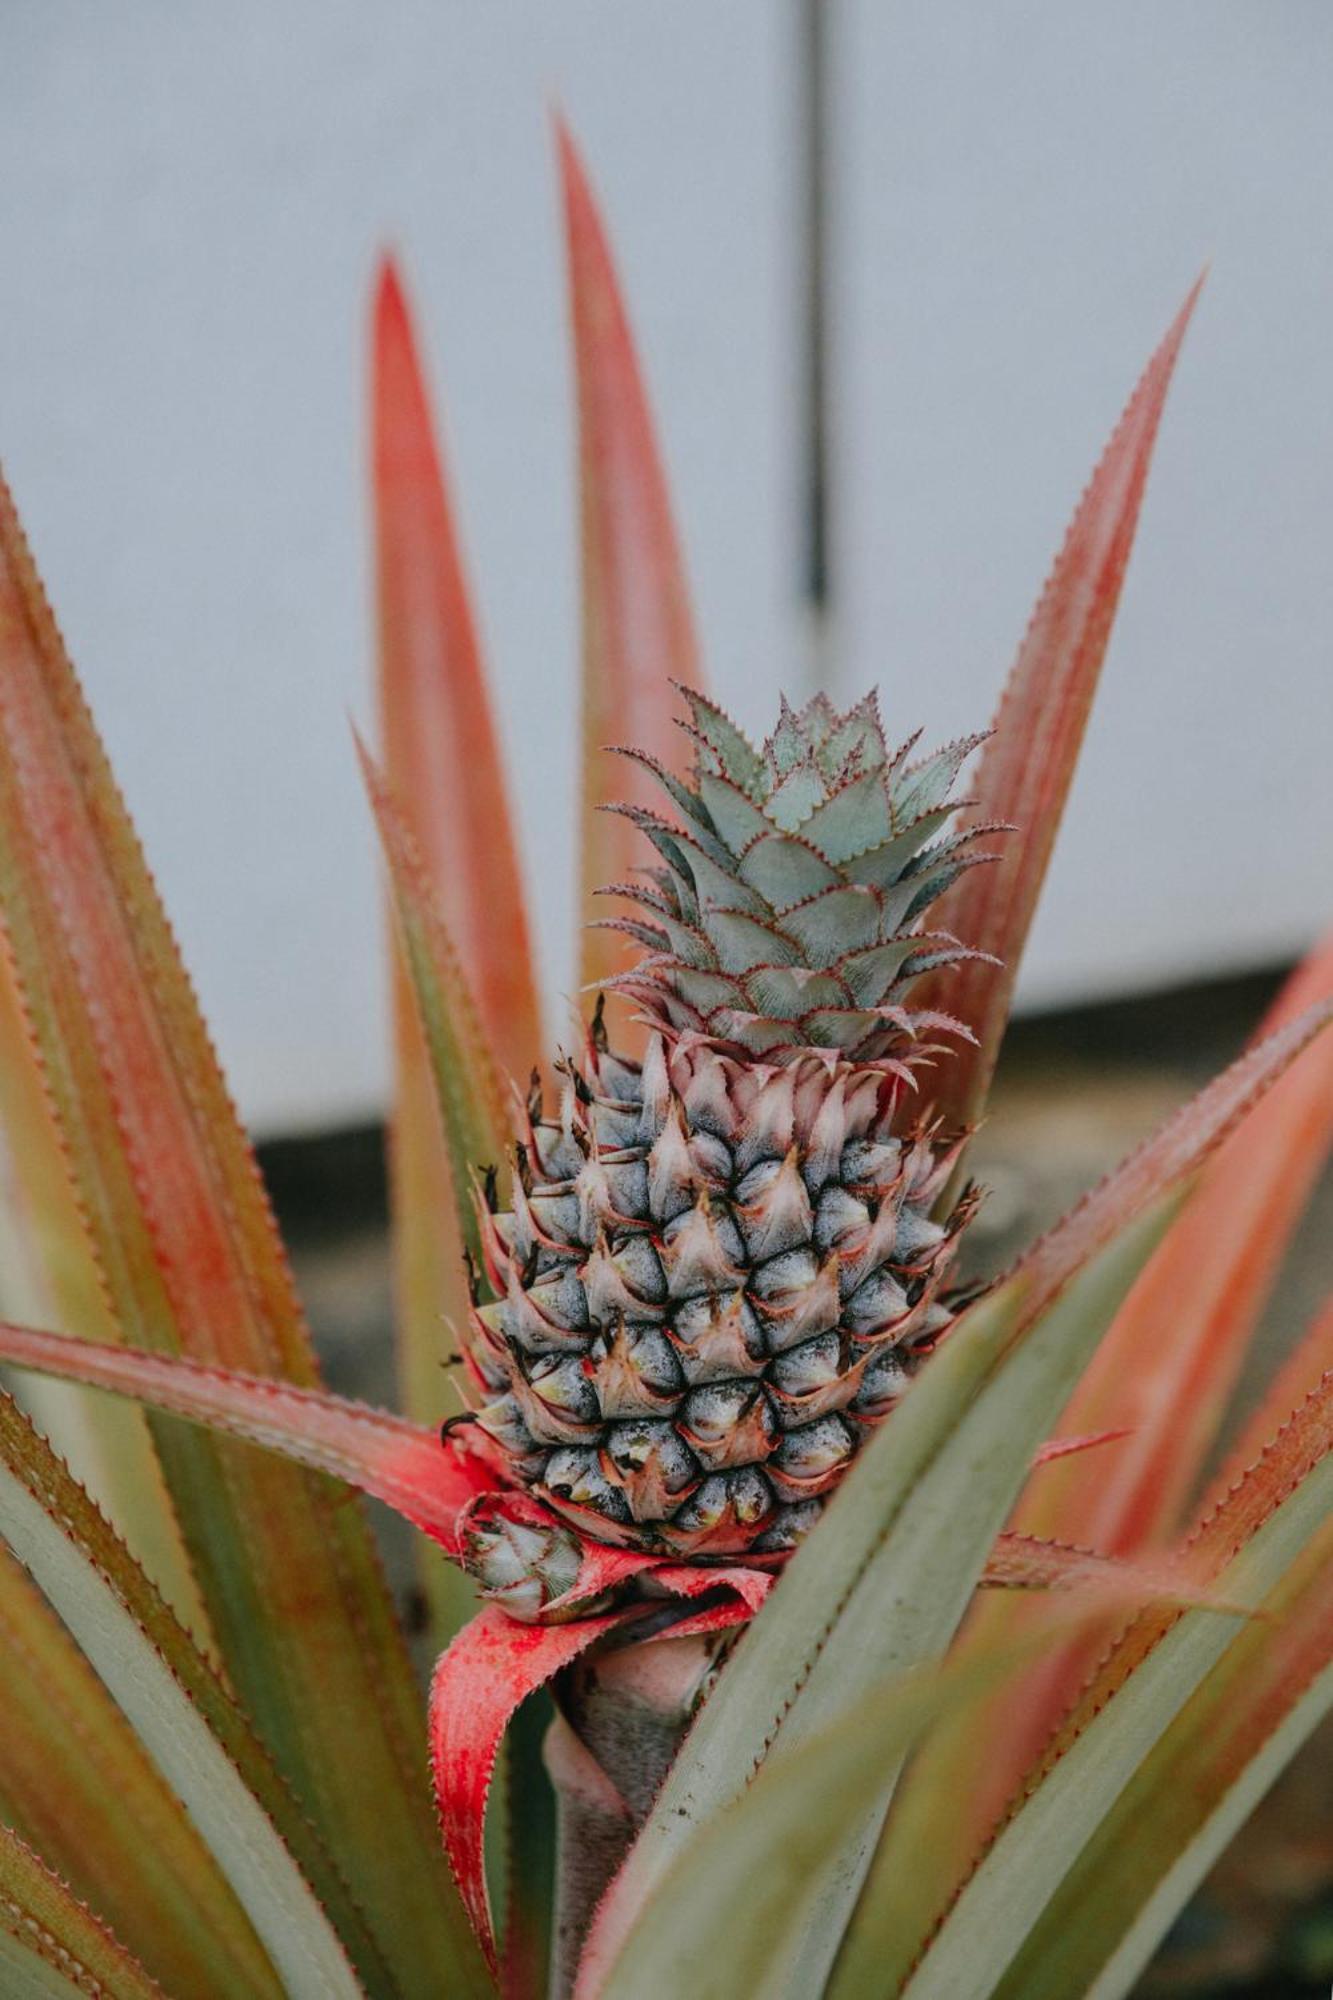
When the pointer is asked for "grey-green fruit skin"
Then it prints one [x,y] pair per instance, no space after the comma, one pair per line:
[720,1267]
[716,1278]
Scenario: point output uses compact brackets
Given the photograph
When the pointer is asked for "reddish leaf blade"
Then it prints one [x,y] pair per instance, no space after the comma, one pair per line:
[492,1666]
[1179,1148]
[1027,766]
[1124,1583]
[1289,1458]
[638,634]
[443,763]
[1166,1370]
[1168,1364]
[1070,1447]
[441,750]
[1308,1363]
[191,1259]
[392,1460]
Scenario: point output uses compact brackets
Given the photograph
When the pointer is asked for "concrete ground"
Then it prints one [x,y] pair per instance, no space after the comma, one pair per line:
[1077,1090]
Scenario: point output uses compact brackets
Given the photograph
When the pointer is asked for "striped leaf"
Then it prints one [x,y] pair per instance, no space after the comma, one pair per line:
[51,1943]
[76,1782]
[191,1262]
[188,1723]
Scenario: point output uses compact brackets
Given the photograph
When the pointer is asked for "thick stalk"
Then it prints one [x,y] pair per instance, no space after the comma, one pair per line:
[621,1718]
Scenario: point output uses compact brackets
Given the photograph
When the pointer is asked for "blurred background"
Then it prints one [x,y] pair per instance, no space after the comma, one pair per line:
[894,267]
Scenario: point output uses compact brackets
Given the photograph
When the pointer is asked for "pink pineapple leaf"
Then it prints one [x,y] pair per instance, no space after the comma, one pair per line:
[638,634]
[442,762]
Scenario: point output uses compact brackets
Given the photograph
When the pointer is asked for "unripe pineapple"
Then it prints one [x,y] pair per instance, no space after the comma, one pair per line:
[723,1264]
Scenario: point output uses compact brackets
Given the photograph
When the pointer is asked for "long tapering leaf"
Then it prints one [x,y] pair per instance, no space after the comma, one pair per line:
[1255,1546]
[468,1094]
[396,1461]
[441,750]
[50,1942]
[190,1725]
[191,1262]
[1166,1369]
[638,635]
[1026,768]
[883,1577]
[76,1782]
[442,761]
[1307,1364]
[1206,1773]
[47,1273]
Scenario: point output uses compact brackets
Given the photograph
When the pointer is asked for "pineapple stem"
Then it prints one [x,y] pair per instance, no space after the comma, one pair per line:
[621,1717]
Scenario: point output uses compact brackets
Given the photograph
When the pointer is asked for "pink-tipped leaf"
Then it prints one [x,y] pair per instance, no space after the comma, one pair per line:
[1166,1370]
[443,763]
[638,634]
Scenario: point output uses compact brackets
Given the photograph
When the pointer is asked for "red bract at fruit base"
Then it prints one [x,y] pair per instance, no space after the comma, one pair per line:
[891,1641]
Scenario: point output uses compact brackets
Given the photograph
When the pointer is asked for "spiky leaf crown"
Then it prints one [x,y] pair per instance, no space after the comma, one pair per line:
[787,915]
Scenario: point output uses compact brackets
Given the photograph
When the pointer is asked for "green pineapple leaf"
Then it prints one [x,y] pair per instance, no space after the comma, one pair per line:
[50,1943]
[187,1721]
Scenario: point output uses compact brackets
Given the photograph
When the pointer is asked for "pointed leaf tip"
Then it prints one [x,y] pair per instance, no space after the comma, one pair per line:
[638,632]
[1027,766]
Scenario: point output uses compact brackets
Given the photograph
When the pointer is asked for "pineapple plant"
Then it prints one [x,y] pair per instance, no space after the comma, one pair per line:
[860,1681]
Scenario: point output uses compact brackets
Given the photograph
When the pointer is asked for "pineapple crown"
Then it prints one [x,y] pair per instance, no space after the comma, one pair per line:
[787,916]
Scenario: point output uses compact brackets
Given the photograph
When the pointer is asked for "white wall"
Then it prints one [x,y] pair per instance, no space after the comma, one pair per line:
[191,202]
[1027,192]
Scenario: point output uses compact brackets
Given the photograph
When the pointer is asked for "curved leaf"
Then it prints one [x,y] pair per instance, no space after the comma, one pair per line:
[187,1722]
[1306,1366]
[1166,1369]
[389,1458]
[1202,1778]
[47,1273]
[76,1783]
[191,1261]
[492,1666]
[1256,1547]
[638,634]
[1027,766]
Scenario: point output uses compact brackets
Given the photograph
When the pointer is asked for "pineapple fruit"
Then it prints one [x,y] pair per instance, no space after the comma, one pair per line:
[724,1262]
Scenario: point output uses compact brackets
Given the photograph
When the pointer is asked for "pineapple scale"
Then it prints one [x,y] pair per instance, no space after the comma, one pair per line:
[716,1278]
